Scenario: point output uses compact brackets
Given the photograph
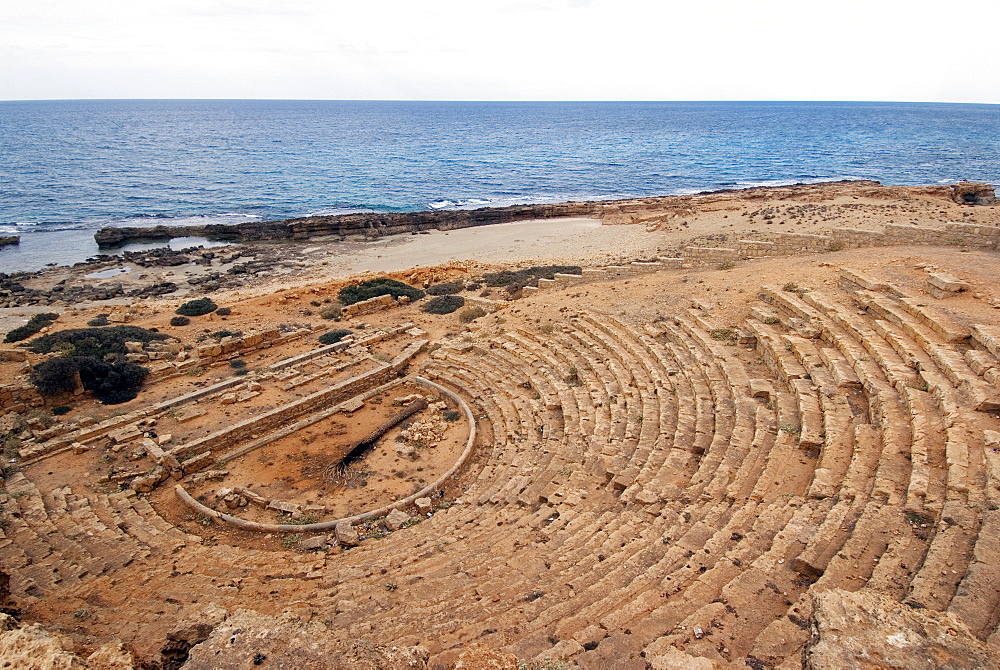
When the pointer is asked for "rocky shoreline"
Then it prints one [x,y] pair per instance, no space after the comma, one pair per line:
[373,225]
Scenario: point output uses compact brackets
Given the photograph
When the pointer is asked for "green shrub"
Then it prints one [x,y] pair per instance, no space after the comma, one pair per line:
[197,307]
[35,324]
[237,363]
[224,311]
[331,312]
[99,320]
[62,409]
[516,280]
[471,314]
[92,342]
[179,321]
[334,336]
[219,334]
[445,288]
[110,383]
[376,287]
[443,304]
[55,376]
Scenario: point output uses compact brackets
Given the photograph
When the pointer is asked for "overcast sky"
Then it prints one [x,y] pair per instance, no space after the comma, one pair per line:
[501,49]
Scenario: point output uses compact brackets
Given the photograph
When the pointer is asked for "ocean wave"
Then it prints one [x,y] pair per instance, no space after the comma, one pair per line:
[337,211]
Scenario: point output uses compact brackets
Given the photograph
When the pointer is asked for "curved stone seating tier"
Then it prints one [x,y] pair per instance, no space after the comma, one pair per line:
[938,441]
[635,487]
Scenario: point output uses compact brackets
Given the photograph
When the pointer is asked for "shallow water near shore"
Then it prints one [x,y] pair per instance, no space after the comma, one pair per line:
[71,167]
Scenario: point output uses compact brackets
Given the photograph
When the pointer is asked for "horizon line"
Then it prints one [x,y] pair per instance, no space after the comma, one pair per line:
[509,101]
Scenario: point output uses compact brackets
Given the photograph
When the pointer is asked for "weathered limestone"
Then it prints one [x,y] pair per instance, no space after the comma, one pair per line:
[855,630]
[973,193]
[396,519]
[347,534]
[941,285]
[369,306]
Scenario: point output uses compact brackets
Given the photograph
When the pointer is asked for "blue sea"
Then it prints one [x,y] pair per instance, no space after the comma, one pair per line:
[70,167]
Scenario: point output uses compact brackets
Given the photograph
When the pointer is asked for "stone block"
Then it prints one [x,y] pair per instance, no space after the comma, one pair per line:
[347,535]
[941,285]
[396,519]
[289,508]
[423,505]
[315,543]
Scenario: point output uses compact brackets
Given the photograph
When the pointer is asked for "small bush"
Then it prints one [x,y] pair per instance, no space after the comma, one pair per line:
[376,287]
[111,383]
[224,311]
[334,336]
[219,334]
[724,334]
[445,288]
[471,314]
[55,376]
[237,363]
[331,312]
[451,415]
[516,280]
[61,409]
[197,307]
[241,371]
[35,324]
[179,321]
[444,304]
[92,342]
[99,320]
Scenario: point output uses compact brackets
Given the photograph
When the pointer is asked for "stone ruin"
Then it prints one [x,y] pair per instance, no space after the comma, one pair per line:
[816,486]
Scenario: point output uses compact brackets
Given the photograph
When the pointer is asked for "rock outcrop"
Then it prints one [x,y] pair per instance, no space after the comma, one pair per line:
[870,630]
[973,193]
[34,648]
[247,639]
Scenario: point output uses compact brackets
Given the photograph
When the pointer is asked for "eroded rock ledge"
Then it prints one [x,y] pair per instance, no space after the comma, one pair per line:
[393,223]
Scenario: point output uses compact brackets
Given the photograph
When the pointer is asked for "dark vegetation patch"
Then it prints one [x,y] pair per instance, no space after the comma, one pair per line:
[179,321]
[445,288]
[35,324]
[444,304]
[99,343]
[93,358]
[224,311]
[111,383]
[197,307]
[334,336]
[376,287]
[219,334]
[515,280]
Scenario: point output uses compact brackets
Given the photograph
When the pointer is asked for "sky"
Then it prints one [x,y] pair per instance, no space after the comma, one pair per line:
[500,50]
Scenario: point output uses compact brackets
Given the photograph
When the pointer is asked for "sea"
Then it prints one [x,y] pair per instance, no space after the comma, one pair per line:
[70,167]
